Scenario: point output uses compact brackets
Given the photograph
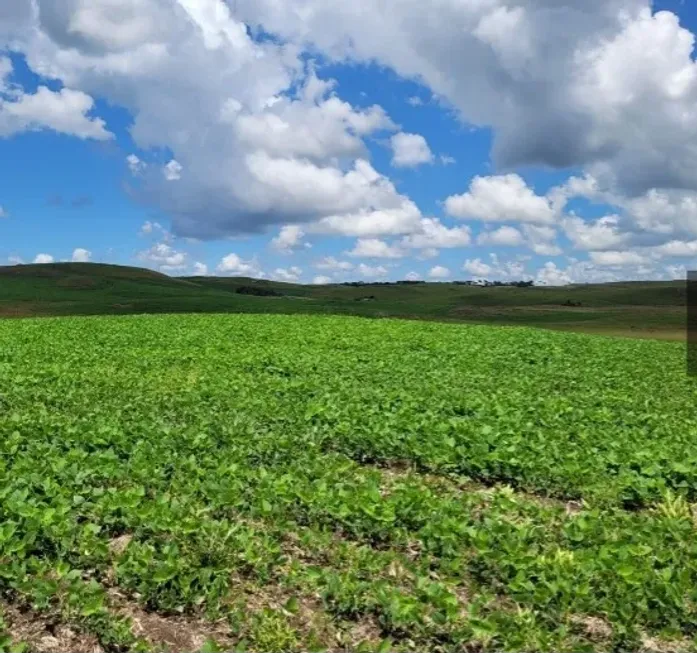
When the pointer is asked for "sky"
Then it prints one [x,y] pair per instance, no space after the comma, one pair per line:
[322,141]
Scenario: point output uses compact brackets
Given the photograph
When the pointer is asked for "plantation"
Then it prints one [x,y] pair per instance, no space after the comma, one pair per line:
[275,483]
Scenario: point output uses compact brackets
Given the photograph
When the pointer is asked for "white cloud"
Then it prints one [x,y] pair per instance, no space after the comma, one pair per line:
[370,272]
[600,234]
[289,274]
[551,275]
[375,248]
[501,198]
[289,237]
[676,272]
[432,234]
[15,260]
[81,255]
[447,160]
[321,280]
[595,272]
[607,85]
[65,111]
[150,228]
[135,165]
[513,270]
[389,212]
[200,269]
[663,212]
[233,264]
[428,253]
[3,212]
[677,249]
[43,258]
[173,170]
[413,276]
[439,272]
[6,70]
[504,236]
[617,258]
[314,129]
[477,267]
[164,257]
[331,263]
[410,150]
[262,142]
[415,101]
[541,239]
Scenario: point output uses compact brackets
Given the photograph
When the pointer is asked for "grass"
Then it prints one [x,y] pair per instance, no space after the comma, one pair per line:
[643,309]
[296,483]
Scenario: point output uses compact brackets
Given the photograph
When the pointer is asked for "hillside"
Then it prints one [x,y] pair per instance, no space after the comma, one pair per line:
[633,308]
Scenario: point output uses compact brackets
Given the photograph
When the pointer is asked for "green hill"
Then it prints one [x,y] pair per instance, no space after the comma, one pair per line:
[632,308]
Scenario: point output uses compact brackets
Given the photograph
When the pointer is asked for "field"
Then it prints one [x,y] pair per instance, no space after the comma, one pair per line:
[635,309]
[301,483]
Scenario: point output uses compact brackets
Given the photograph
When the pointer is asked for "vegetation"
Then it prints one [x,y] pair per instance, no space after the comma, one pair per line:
[296,483]
[645,309]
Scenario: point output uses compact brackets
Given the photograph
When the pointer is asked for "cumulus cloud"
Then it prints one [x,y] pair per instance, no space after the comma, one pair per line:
[288,274]
[65,111]
[617,258]
[677,249]
[608,87]
[233,264]
[164,257]
[410,150]
[150,228]
[600,234]
[512,270]
[477,267]
[331,263]
[501,198]
[261,142]
[541,239]
[663,213]
[43,258]
[375,248]
[321,280]
[81,255]
[135,165]
[200,269]
[432,234]
[594,74]
[505,236]
[289,238]
[3,212]
[439,272]
[372,272]
[173,170]
[551,274]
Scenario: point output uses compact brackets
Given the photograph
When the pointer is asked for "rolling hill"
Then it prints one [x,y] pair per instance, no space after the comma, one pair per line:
[654,309]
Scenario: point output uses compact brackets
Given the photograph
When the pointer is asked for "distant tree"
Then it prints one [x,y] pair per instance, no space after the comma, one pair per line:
[259,291]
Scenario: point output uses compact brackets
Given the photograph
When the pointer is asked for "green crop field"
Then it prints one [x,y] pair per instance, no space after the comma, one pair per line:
[651,309]
[300,483]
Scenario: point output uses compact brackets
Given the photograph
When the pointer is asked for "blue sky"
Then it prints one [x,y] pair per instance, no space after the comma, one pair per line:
[583,151]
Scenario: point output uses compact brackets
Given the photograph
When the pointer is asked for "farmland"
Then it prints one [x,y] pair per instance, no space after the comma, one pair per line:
[283,483]
[653,309]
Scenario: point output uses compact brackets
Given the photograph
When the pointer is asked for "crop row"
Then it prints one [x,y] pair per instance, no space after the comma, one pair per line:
[232,452]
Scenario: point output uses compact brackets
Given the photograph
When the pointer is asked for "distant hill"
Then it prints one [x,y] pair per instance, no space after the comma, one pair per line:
[632,308]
